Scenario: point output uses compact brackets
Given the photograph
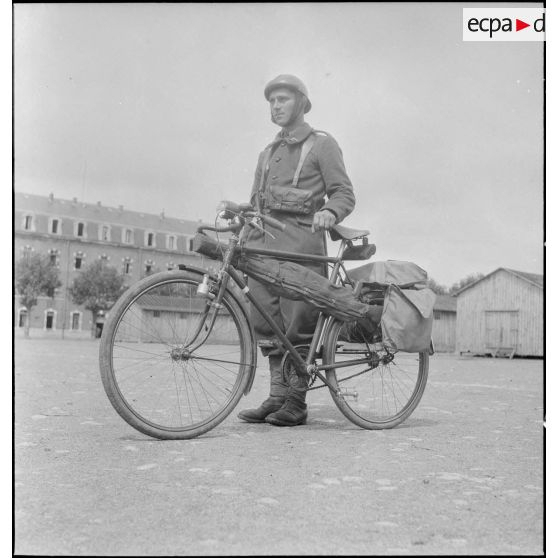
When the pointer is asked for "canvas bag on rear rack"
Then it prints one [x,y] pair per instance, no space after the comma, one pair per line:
[408,305]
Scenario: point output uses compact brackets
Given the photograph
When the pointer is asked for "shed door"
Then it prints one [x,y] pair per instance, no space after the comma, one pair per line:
[501,329]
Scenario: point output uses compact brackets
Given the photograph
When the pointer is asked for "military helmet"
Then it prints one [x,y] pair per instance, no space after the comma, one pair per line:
[291,82]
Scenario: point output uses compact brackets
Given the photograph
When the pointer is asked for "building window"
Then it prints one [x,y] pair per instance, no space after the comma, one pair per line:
[104,232]
[78,260]
[28,222]
[156,313]
[127,236]
[127,266]
[75,324]
[22,317]
[171,242]
[80,229]
[437,315]
[50,319]
[55,226]
[148,267]
[190,244]
[53,257]
[150,238]
[26,251]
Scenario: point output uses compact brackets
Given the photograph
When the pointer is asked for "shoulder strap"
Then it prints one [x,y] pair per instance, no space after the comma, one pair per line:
[263,174]
[306,147]
[265,166]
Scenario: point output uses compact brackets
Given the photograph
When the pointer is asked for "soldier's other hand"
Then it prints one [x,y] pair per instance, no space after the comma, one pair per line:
[323,220]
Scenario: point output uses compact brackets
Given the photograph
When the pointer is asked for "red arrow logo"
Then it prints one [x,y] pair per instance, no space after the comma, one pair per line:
[519,25]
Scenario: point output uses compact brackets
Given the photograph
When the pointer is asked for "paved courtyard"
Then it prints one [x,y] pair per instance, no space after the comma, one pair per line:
[463,475]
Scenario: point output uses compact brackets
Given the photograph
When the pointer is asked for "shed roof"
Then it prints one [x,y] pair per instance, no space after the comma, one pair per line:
[445,303]
[533,278]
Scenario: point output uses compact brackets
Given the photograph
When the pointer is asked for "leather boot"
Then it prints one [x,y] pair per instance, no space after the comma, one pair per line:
[277,394]
[294,410]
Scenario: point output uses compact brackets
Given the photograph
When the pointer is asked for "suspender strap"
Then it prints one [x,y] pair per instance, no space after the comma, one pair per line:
[263,174]
[304,151]
[306,147]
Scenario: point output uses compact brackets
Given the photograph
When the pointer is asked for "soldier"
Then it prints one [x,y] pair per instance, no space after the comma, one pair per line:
[294,175]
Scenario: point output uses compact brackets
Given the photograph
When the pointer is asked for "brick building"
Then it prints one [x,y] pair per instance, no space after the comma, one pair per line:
[74,234]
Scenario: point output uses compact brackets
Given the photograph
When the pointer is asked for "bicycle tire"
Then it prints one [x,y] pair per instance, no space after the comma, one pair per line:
[380,393]
[152,383]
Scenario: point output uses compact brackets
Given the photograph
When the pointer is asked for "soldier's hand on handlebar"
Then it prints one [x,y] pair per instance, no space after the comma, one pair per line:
[323,220]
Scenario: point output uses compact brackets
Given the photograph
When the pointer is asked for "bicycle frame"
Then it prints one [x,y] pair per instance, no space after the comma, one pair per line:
[303,367]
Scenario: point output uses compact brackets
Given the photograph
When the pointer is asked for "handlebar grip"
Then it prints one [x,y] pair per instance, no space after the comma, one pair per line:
[234,207]
[273,222]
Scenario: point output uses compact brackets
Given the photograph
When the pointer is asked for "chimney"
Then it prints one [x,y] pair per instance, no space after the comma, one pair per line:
[163,214]
[50,197]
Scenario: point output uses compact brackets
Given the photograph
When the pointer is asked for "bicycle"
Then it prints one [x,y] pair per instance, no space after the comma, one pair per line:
[178,350]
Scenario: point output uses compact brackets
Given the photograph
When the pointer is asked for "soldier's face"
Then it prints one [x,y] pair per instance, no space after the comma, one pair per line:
[282,102]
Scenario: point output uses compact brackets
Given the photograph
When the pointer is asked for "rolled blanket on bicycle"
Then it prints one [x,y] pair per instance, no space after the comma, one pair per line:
[408,306]
[296,282]
[207,246]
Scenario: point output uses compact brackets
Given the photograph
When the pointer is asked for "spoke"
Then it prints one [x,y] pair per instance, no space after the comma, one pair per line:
[196,357]
[165,354]
[177,395]
[143,319]
[183,374]
[202,388]
[142,362]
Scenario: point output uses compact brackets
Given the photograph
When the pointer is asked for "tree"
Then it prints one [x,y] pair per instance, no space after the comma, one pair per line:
[462,283]
[97,288]
[436,287]
[35,276]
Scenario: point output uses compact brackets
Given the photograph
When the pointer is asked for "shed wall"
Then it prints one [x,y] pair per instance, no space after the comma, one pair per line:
[443,331]
[506,293]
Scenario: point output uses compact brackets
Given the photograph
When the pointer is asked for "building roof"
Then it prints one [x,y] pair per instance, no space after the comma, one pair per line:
[75,209]
[533,278]
[172,303]
[445,303]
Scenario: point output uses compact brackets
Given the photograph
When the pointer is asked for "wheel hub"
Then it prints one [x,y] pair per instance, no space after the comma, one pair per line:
[180,353]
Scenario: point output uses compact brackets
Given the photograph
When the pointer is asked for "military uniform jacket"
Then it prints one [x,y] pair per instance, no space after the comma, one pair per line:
[322,184]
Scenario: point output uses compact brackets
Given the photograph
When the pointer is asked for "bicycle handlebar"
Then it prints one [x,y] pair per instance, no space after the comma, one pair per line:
[272,222]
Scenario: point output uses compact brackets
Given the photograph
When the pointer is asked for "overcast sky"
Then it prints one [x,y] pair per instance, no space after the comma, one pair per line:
[160,107]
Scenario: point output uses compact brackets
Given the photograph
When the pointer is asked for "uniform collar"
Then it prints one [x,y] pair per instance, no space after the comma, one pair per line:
[299,134]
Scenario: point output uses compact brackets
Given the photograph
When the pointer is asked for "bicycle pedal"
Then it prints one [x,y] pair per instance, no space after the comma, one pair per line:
[348,392]
[267,344]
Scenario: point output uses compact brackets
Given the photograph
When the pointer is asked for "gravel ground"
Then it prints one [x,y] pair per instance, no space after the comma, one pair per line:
[463,475]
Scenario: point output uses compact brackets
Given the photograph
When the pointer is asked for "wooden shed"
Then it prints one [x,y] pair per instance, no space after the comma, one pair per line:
[501,314]
[443,327]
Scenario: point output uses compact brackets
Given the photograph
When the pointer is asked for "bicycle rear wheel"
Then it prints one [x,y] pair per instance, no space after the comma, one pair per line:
[377,389]
[154,375]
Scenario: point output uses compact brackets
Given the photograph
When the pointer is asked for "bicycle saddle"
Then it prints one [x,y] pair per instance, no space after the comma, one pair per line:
[338,232]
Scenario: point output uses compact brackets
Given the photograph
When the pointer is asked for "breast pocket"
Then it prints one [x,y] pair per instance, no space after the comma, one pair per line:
[290,200]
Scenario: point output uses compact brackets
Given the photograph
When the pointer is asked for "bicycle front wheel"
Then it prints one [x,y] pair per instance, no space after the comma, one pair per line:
[157,375]
[374,389]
